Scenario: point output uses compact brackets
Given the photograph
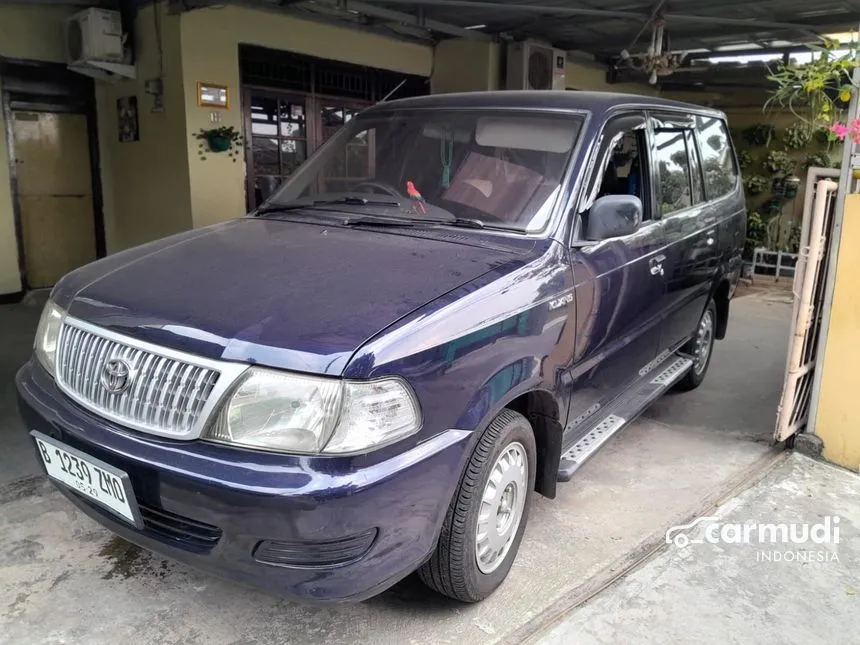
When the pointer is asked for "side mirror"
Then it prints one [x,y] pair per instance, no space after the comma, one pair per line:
[614,216]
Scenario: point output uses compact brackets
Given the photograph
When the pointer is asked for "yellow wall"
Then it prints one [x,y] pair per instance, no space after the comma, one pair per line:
[210,41]
[145,183]
[10,277]
[34,33]
[838,420]
[465,66]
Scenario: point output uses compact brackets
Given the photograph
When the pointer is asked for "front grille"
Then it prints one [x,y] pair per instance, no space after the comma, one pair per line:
[180,531]
[164,395]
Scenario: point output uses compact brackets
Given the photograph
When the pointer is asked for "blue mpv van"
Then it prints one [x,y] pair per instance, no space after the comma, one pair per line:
[449,307]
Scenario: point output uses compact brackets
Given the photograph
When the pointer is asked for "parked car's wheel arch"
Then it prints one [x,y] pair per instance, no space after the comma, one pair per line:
[543,410]
[721,296]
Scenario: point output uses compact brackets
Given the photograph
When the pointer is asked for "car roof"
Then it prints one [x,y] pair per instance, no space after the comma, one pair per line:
[574,100]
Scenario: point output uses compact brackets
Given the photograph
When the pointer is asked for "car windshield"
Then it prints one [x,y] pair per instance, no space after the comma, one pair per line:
[494,169]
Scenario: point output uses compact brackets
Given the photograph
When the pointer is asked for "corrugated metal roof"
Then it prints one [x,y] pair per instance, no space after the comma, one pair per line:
[602,28]
[692,24]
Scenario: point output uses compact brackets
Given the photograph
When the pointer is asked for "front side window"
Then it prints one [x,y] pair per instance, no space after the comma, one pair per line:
[718,162]
[502,169]
[673,170]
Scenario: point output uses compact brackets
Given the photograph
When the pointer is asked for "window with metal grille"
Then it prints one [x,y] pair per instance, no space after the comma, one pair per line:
[299,73]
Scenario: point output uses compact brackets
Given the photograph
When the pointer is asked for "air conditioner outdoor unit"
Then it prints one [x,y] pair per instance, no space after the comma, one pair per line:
[95,45]
[535,66]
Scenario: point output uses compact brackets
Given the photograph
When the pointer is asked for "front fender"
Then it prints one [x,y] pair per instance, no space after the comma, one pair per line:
[482,346]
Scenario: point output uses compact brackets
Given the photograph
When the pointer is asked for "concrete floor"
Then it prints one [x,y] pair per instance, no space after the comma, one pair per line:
[733,593]
[65,579]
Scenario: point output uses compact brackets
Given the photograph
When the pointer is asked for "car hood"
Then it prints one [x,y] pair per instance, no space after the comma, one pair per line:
[288,294]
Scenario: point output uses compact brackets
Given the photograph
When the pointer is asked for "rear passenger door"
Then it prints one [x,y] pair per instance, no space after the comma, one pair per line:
[689,224]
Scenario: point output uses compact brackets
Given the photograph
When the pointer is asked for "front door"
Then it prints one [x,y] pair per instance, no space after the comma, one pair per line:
[54,193]
[277,140]
[619,284]
[282,129]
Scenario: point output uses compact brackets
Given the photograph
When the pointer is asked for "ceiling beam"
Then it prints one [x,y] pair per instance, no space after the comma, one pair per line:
[106,4]
[399,17]
[493,7]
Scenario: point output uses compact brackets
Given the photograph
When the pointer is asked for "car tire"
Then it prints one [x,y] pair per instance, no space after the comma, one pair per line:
[700,348]
[466,565]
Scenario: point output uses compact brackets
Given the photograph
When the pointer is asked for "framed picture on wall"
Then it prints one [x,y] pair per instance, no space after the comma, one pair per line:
[212,95]
[126,110]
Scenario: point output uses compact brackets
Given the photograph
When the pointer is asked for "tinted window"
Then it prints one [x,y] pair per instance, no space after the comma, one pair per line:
[673,167]
[695,169]
[718,163]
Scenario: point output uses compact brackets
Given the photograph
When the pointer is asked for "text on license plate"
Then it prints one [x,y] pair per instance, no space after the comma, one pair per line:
[107,486]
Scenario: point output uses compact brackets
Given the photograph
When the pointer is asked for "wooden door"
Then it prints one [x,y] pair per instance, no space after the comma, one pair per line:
[54,191]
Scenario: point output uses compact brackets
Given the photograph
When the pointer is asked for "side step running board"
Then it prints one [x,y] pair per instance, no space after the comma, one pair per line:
[583,440]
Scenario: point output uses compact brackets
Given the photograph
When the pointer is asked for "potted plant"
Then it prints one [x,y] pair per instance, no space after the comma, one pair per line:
[819,160]
[796,136]
[756,184]
[816,92]
[759,134]
[218,140]
[779,163]
[745,159]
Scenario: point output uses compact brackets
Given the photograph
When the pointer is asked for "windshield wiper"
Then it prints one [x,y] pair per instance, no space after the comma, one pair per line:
[351,201]
[377,221]
[465,222]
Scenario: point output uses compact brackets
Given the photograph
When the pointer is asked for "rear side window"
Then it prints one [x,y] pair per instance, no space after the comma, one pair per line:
[673,168]
[718,162]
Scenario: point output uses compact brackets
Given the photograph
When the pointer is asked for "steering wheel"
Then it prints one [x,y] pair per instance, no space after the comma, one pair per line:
[380,186]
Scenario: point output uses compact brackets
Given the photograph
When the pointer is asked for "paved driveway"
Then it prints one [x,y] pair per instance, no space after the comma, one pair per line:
[65,579]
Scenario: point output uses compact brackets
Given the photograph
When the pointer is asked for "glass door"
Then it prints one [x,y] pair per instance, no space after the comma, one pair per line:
[357,161]
[278,140]
[282,129]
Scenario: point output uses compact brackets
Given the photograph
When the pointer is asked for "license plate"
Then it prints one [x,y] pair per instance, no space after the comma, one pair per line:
[99,482]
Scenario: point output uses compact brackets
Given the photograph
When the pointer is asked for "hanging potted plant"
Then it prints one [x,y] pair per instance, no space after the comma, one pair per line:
[816,92]
[759,134]
[218,140]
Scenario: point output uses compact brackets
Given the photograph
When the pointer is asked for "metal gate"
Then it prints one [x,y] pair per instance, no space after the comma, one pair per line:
[808,288]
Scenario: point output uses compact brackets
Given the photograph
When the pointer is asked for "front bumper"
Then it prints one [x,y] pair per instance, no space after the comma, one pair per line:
[222,509]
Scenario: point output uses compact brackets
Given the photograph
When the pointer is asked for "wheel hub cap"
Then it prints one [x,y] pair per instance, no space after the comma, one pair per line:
[704,340]
[501,510]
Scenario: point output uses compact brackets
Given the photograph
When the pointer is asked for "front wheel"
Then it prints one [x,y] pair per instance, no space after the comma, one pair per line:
[487,516]
[700,348]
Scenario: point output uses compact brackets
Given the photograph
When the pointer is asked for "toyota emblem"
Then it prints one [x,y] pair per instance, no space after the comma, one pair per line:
[116,375]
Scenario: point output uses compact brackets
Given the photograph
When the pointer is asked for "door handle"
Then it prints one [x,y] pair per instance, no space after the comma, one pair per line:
[656,264]
[711,238]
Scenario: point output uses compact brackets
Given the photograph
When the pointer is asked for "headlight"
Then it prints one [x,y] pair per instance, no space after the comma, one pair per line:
[306,414]
[47,335]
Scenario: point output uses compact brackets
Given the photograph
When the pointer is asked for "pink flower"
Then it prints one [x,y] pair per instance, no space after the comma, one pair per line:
[840,130]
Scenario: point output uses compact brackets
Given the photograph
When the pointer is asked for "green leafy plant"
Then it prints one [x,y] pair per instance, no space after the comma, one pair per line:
[219,140]
[819,160]
[759,134]
[745,159]
[779,162]
[796,136]
[756,233]
[816,91]
[792,243]
[756,184]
